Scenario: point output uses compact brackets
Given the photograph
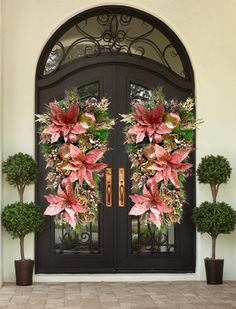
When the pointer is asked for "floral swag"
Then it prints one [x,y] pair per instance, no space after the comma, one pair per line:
[159,136]
[73,138]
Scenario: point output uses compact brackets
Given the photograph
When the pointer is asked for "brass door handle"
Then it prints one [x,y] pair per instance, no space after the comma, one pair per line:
[121,187]
[121,193]
[108,187]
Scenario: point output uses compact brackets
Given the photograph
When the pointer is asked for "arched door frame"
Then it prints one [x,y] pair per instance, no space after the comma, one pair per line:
[64,71]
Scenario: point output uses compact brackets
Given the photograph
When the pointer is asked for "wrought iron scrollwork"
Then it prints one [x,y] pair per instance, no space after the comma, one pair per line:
[114,33]
[149,239]
[77,242]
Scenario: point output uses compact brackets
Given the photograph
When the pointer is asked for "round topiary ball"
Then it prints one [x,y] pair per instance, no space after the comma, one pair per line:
[214,170]
[20,169]
[22,219]
[214,218]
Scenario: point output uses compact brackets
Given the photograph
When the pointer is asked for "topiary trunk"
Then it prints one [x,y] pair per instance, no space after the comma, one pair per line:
[213,254]
[214,191]
[22,245]
[21,189]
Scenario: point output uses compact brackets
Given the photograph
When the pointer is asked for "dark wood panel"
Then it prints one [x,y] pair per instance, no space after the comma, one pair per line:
[115,255]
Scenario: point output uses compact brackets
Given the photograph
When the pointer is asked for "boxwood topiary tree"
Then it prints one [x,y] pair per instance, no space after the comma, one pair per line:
[214,170]
[19,218]
[214,219]
[21,170]
[22,219]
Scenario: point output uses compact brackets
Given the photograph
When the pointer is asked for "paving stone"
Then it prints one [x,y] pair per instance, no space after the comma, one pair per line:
[120,295]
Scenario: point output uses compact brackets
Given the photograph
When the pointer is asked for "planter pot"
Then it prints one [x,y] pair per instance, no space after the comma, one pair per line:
[24,272]
[214,271]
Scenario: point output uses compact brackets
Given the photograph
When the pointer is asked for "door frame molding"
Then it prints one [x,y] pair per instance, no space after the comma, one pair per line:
[84,63]
[81,64]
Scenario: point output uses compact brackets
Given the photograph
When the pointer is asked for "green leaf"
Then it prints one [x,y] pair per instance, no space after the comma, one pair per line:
[187,134]
[45,148]
[77,229]
[181,180]
[102,134]
[130,148]
[96,180]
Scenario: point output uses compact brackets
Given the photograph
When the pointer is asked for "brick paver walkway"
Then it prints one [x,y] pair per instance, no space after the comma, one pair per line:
[106,295]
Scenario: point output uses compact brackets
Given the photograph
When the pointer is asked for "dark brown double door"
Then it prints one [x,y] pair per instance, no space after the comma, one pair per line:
[115,242]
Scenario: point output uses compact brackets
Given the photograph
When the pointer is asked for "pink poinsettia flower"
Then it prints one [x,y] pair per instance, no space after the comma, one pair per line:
[65,202]
[64,123]
[168,165]
[149,123]
[150,202]
[83,165]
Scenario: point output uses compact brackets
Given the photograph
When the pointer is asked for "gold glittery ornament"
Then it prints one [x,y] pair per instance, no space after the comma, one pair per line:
[149,151]
[64,151]
[172,120]
[86,120]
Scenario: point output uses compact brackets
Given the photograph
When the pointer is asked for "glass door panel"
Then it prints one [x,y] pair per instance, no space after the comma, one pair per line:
[146,238]
[85,240]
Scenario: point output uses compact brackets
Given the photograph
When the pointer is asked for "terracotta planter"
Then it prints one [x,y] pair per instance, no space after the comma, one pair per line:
[24,272]
[214,270]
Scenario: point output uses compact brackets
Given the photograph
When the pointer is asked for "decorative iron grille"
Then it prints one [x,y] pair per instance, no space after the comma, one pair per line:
[147,239]
[114,31]
[84,242]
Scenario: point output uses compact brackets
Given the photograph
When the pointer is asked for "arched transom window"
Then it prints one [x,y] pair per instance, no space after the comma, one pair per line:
[115,31]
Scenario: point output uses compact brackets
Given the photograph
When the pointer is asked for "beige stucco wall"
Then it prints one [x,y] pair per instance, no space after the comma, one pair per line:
[206,28]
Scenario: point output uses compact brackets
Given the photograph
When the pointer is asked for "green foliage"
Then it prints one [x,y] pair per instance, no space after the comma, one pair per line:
[181,180]
[21,219]
[213,170]
[46,148]
[187,134]
[131,148]
[101,115]
[214,218]
[21,169]
[96,181]
[102,134]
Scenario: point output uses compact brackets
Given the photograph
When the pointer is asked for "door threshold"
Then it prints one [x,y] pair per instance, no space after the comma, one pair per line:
[114,277]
